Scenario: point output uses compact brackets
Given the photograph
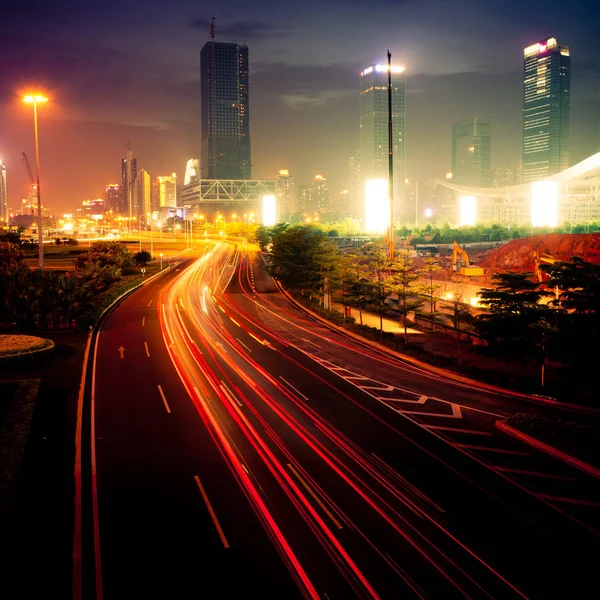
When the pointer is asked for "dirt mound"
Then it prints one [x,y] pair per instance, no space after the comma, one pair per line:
[518,254]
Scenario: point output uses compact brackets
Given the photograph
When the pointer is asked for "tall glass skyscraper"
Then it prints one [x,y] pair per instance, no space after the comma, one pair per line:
[374,128]
[225,111]
[471,148]
[546,109]
[128,176]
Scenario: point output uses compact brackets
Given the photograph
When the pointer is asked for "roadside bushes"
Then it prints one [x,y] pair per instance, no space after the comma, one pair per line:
[46,299]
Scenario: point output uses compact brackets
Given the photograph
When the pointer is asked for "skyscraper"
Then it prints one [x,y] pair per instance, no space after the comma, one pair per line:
[286,194]
[142,196]
[471,145]
[167,191]
[225,111]
[112,197]
[128,175]
[374,128]
[546,109]
[3,194]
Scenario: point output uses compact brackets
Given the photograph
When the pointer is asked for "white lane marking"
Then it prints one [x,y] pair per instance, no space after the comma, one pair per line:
[121,351]
[456,414]
[309,342]
[235,322]
[147,351]
[230,395]
[294,388]
[162,395]
[457,430]
[143,321]
[149,303]
[242,343]
[213,516]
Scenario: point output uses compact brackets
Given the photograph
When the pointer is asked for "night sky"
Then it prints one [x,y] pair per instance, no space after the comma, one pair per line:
[130,69]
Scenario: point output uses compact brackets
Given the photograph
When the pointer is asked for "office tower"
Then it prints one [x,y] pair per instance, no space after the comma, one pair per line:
[546,109]
[287,197]
[374,141]
[3,194]
[142,196]
[471,142]
[112,197]
[128,175]
[167,190]
[225,111]
[503,176]
[319,195]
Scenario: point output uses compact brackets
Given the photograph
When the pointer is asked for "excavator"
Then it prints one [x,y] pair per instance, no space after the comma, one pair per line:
[466,268]
[538,258]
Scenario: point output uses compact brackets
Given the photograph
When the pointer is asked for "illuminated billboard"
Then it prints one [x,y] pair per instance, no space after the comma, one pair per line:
[468,210]
[377,206]
[269,211]
[544,204]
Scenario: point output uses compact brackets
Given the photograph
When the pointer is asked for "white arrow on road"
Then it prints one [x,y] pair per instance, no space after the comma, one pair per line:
[121,351]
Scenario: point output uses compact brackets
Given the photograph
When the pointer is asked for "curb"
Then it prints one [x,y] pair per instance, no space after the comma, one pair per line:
[436,370]
[77,552]
[551,450]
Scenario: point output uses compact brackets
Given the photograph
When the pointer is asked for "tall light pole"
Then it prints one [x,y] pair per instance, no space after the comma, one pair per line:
[392,253]
[35,99]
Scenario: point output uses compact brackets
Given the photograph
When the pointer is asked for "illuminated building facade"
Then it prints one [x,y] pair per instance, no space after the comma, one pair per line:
[112,197]
[225,111]
[471,152]
[546,109]
[142,195]
[128,175]
[3,194]
[287,196]
[167,190]
[374,142]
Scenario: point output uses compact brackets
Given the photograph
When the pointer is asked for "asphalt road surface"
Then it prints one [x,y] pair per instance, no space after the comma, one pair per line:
[240,449]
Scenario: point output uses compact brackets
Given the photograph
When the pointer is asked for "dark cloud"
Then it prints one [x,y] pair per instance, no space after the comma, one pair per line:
[242,30]
[119,69]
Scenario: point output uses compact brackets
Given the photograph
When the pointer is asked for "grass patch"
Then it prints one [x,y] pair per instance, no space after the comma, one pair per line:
[14,434]
[22,344]
[574,438]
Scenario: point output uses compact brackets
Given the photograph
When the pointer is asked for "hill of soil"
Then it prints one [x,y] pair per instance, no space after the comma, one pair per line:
[518,254]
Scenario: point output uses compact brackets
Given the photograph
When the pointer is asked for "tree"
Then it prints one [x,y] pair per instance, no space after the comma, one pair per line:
[516,325]
[430,288]
[356,274]
[302,257]
[142,258]
[577,315]
[378,269]
[404,281]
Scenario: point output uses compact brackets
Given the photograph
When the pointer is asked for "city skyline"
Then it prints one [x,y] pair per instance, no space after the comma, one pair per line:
[304,83]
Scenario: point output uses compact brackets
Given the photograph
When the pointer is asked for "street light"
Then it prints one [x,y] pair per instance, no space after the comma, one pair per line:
[35,99]
[161,256]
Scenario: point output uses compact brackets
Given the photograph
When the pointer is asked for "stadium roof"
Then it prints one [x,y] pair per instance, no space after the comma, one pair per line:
[585,174]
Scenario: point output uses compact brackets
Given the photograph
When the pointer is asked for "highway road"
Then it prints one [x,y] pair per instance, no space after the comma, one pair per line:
[239,448]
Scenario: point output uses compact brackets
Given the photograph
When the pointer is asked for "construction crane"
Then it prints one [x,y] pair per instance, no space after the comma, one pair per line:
[32,184]
[467,269]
